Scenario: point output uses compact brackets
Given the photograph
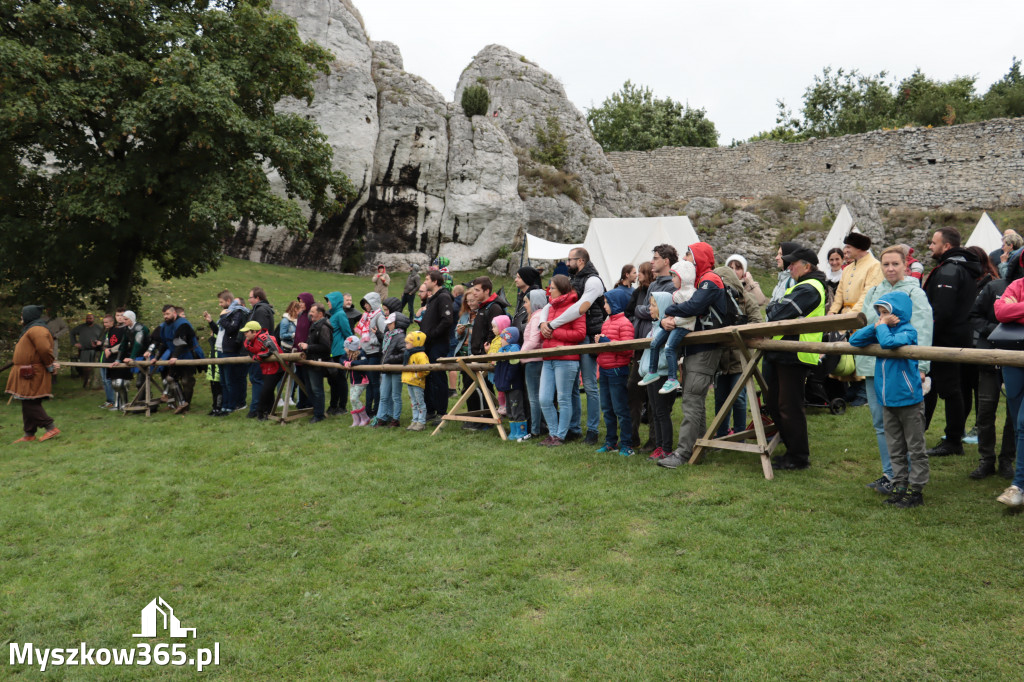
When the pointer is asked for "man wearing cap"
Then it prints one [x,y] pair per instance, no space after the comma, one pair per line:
[262,346]
[785,399]
[863,272]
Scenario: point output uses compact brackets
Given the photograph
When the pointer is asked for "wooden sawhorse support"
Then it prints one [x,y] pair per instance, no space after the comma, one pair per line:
[735,442]
[144,401]
[478,416]
[285,389]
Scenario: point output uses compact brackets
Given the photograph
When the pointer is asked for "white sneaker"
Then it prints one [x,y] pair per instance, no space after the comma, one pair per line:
[1012,497]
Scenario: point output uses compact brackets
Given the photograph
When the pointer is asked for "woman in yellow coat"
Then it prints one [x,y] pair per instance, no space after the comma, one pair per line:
[30,378]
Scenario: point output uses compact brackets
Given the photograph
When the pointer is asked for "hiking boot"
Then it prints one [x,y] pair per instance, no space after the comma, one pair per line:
[945,448]
[672,460]
[1012,497]
[607,448]
[883,485]
[897,494]
[986,467]
[1007,468]
[591,438]
[626,451]
[913,498]
[668,387]
[656,455]
[648,379]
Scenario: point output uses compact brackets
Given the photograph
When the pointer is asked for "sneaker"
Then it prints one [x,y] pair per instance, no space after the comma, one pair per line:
[52,433]
[416,426]
[986,467]
[395,424]
[648,379]
[607,448]
[672,460]
[106,406]
[554,442]
[896,495]
[971,437]
[525,438]
[913,498]
[670,385]
[591,438]
[945,448]
[243,407]
[626,451]
[656,455]
[882,485]
[857,402]
[1012,497]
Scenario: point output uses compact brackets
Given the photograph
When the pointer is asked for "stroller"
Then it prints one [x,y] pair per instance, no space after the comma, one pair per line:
[823,389]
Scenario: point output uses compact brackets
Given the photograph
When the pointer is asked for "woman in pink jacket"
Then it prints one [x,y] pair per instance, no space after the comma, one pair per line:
[536,301]
[560,372]
[1009,308]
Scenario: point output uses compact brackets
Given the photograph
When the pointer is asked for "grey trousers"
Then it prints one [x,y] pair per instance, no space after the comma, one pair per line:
[698,373]
[904,434]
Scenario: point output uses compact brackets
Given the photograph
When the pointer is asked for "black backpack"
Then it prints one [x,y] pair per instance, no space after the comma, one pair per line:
[734,314]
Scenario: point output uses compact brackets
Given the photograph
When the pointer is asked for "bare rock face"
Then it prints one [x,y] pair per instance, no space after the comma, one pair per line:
[410,173]
[483,211]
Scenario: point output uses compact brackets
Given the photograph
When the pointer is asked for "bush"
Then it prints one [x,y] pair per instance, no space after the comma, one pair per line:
[552,144]
[475,101]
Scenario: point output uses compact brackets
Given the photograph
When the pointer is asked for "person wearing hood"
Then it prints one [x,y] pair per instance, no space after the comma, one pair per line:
[684,275]
[416,381]
[227,329]
[527,279]
[370,330]
[785,399]
[660,410]
[381,281]
[618,426]
[262,313]
[951,289]
[30,380]
[589,288]
[748,284]
[700,361]
[392,353]
[510,382]
[898,387]
[894,268]
[336,379]
[731,365]
[412,285]
[302,323]
[536,304]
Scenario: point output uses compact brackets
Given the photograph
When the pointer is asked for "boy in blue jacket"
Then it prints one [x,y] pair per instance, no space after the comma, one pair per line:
[898,385]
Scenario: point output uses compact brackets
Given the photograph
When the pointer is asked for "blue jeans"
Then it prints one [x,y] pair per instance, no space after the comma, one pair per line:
[615,405]
[1013,379]
[256,379]
[672,343]
[419,405]
[390,397]
[532,372]
[558,380]
[877,422]
[723,386]
[108,390]
[588,366]
[315,384]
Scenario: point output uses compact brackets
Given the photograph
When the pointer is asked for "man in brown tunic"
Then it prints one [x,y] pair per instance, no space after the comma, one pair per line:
[30,378]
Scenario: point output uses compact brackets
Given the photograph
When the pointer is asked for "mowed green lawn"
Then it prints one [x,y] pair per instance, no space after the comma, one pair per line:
[325,552]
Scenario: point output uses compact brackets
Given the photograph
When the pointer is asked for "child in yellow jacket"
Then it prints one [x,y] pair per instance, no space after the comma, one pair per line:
[416,381]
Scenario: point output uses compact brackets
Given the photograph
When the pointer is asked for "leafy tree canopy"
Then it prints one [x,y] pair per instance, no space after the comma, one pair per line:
[634,119]
[845,102]
[145,129]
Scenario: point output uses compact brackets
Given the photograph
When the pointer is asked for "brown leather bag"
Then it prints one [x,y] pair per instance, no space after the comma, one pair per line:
[26,372]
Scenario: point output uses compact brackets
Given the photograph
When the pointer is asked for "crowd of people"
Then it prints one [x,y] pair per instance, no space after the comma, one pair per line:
[969,299]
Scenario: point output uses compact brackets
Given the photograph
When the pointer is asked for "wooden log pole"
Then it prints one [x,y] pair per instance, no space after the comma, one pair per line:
[973,356]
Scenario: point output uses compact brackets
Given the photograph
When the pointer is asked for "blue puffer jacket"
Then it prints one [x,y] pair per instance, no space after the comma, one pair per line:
[897,380]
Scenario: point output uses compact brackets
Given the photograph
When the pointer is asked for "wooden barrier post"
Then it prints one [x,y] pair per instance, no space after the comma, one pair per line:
[477,416]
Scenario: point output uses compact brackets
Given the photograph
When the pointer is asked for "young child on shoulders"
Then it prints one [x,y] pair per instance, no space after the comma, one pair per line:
[359,381]
[684,274]
[416,381]
[509,379]
[614,375]
[898,385]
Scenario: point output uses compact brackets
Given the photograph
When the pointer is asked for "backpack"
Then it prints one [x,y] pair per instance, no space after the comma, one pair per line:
[734,314]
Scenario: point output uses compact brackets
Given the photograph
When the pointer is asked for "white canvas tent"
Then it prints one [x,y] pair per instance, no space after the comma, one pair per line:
[613,242]
[986,235]
[842,226]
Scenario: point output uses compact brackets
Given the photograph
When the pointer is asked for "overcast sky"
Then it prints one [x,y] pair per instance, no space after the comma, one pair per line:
[733,59]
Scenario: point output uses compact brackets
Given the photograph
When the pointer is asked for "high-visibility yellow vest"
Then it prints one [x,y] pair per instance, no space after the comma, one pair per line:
[819,311]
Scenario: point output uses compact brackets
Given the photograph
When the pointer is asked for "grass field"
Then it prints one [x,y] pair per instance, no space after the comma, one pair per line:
[324,552]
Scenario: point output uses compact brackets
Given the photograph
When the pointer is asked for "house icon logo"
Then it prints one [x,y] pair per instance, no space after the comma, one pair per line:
[158,611]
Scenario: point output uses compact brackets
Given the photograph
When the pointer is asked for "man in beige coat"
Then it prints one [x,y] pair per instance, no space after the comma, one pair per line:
[860,275]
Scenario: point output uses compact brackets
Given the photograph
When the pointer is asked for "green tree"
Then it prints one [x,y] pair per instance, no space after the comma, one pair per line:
[926,102]
[846,102]
[552,144]
[1006,96]
[136,130]
[634,119]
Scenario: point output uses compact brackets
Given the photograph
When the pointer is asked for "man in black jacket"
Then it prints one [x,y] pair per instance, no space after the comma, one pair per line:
[317,347]
[488,308]
[262,313]
[951,288]
[436,323]
[527,279]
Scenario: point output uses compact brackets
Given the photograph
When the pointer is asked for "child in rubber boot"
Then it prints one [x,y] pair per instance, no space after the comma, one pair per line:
[360,382]
[614,365]
[510,379]
[898,385]
[416,381]
[684,274]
